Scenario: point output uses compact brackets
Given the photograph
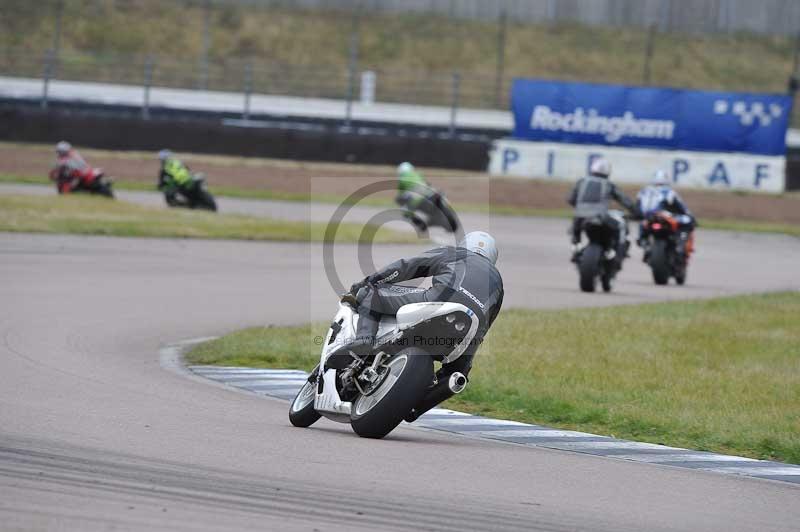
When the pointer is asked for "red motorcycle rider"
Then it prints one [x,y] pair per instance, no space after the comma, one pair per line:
[71,173]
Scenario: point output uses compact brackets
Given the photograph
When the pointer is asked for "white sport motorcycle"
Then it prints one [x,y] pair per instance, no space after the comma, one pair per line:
[375,393]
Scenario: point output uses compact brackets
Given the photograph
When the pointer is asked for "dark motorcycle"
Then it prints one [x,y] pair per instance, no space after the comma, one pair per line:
[608,246]
[429,211]
[667,247]
[193,196]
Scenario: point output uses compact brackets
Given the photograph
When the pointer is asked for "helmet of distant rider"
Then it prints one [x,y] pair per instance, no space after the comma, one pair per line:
[660,178]
[164,155]
[63,147]
[405,168]
[600,167]
[481,243]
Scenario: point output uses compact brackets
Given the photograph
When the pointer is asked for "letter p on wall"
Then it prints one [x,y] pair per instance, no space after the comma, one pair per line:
[510,156]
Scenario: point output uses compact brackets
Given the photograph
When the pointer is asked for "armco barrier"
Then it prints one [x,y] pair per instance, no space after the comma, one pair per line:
[126,130]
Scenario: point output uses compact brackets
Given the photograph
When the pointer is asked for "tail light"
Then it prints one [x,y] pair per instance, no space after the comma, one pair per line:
[656,226]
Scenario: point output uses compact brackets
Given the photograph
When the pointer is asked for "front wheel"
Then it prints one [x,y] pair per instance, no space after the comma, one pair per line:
[206,200]
[589,266]
[452,219]
[607,280]
[406,378]
[302,412]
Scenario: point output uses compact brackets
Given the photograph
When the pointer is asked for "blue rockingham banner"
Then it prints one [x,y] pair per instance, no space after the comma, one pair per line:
[616,115]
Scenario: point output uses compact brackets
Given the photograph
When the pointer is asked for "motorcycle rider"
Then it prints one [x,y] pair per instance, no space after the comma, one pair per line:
[415,194]
[464,274]
[173,176]
[590,198]
[659,196]
[70,168]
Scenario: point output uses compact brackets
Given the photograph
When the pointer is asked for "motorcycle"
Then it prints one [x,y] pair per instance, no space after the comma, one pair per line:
[608,246]
[195,195]
[374,393]
[430,211]
[91,181]
[667,247]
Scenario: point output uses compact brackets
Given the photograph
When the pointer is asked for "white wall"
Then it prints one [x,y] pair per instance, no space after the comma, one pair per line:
[567,162]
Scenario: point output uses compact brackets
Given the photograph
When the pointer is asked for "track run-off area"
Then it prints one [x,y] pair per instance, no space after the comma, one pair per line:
[96,433]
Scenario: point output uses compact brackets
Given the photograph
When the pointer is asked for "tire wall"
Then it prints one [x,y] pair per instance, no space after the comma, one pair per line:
[121,131]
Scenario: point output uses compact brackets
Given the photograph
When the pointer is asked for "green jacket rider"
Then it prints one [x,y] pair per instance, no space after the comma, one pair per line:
[412,188]
[173,177]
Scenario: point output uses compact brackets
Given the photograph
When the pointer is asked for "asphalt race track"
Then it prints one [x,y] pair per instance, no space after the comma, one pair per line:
[95,433]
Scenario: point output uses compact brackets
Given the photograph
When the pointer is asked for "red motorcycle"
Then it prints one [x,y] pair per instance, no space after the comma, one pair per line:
[88,179]
[669,245]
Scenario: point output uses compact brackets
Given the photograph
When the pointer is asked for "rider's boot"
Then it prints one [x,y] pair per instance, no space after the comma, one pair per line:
[576,250]
[360,346]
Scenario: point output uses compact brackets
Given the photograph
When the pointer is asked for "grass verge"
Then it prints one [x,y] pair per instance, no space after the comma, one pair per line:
[99,216]
[720,375]
[497,210]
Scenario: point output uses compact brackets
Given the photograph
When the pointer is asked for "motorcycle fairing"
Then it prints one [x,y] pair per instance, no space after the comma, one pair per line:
[327,401]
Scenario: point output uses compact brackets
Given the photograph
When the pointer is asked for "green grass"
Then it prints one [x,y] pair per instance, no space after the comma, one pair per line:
[497,210]
[720,375]
[752,227]
[99,216]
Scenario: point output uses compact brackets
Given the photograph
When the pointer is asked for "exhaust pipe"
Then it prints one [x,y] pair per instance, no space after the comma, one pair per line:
[457,382]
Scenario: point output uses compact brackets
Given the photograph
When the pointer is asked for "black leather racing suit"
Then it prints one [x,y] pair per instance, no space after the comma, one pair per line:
[458,275]
[591,197]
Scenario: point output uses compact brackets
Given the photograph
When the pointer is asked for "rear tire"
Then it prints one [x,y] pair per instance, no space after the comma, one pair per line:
[377,414]
[659,262]
[680,278]
[301,412]
[589,266]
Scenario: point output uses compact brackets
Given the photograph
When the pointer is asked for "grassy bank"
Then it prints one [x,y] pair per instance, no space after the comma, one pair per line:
[99,216]
[720,375]
[413,53]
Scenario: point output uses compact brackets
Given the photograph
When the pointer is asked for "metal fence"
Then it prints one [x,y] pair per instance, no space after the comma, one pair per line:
[770,17]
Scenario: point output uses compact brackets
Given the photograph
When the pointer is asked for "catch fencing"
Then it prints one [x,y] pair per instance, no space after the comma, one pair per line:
[769,17]
[458,80]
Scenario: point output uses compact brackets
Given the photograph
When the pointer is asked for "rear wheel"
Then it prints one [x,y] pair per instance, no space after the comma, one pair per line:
[589,266]
[407,377]
[302,413]
[659,262]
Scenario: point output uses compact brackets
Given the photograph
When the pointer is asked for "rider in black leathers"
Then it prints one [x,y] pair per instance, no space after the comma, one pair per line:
[591,197]
[465,274]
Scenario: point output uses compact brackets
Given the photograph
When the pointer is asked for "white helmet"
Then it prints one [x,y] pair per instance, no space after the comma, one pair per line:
[164,155]
[660,178]
[405,168]
[63,147]
[481,243]
[600,167]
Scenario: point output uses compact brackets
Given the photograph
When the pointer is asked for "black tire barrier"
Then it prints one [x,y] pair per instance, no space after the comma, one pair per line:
[122,128]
